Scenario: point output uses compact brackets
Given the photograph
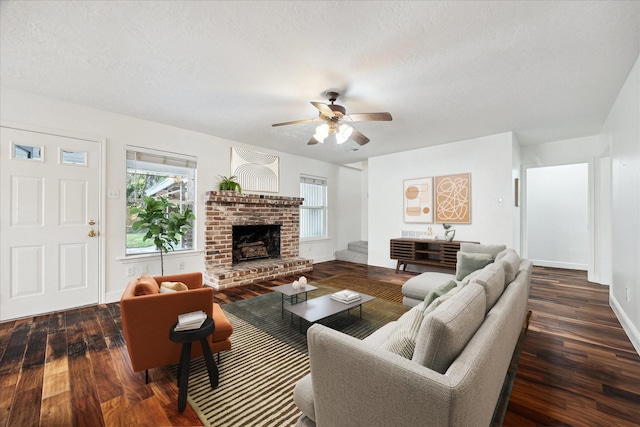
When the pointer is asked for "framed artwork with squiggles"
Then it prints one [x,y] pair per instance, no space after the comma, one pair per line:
[453,199]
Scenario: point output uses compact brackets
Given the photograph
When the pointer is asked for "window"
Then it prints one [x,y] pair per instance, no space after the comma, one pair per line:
[27,152]
[73,157]
[313,212]
[158,174]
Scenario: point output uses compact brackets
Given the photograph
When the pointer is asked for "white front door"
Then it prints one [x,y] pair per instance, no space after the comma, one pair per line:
[49,221]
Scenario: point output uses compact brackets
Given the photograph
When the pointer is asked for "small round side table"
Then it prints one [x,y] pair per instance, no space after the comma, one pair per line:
[186,338]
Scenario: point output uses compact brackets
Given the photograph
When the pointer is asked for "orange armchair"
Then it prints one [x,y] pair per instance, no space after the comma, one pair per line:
[146,320]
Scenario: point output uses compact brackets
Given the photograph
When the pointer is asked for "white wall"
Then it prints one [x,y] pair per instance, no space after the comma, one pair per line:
[557,206]
[623,130]
[213,156]
[488,159]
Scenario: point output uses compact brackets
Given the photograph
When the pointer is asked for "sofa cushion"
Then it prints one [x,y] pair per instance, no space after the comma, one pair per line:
[147,285]
[402,340]
[419,286]
[470,277]
[467,263]
[436,303]
[438,292]
[446,330]
[477,248]
[491,278]
[166,287]
[511,263]
[380,336]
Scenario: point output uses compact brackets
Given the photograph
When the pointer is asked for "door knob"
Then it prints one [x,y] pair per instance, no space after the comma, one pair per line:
[92,233]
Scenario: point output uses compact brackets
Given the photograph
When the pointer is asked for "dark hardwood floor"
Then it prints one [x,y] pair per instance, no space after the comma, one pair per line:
[72,369]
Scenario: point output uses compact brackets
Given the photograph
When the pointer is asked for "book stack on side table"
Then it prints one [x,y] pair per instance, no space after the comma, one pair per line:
[190,321]
[346,296]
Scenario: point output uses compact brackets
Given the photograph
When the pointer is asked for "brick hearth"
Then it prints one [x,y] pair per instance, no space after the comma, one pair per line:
[224,209]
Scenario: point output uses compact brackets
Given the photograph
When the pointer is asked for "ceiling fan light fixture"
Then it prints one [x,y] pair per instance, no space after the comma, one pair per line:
[344,132]
[322,132]
[332,115]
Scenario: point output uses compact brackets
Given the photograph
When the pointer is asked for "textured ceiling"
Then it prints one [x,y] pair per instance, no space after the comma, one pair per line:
[446,71]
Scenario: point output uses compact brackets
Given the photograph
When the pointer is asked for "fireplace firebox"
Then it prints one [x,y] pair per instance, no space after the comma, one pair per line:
[251,242]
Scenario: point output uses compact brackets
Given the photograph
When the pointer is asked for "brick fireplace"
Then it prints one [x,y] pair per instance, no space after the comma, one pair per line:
[226,209]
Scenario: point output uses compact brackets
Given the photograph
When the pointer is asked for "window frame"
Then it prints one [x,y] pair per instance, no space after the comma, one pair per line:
[161,163]
[324,207]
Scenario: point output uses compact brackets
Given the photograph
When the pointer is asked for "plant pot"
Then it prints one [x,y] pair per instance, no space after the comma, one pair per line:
[449,235]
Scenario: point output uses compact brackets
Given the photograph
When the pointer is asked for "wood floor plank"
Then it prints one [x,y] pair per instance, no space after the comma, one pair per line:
[56,410]
[28,388]
[133,383]
[116,412]
[106,377]
[85,402]
[56,378]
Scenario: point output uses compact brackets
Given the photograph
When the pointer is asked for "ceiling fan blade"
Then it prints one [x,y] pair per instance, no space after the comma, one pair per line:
[312,141]
[324,109]
[295,122]
[358,137]
[368,117]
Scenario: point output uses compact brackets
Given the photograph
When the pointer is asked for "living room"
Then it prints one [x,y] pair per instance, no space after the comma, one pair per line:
[365,191]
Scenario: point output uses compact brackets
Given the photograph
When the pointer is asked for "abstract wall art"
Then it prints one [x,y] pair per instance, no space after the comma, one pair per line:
[418,200]
[453,198]
[256,171]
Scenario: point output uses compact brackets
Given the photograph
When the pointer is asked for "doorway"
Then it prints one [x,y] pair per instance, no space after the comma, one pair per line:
[557,216]
[49,218]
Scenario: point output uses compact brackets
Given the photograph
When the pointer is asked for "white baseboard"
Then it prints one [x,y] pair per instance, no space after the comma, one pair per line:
[628,327]
[113,297]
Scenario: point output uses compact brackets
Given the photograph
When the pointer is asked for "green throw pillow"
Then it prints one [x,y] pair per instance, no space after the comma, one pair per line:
[438,292]
[470,262]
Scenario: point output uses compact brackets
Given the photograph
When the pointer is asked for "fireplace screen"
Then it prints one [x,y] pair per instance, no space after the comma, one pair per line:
[252,242]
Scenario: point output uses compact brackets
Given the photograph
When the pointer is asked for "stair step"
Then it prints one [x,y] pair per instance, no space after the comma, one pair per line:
[359,246]
[352,256]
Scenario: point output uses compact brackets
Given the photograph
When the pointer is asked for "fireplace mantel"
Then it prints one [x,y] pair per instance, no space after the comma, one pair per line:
[224,209]
[233,197]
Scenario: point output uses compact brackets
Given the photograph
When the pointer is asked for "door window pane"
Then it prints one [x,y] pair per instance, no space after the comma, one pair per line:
[27,152]
[73,157]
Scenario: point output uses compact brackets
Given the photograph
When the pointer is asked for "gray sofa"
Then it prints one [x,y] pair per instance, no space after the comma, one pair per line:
[453,375]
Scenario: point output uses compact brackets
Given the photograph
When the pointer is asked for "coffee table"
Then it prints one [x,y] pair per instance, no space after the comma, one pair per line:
[287,290]
[319,308]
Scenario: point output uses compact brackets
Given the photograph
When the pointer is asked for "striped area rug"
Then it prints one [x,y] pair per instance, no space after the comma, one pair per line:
[256,381]
[268,357]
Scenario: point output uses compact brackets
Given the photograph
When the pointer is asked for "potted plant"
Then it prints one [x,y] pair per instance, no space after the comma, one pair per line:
[164,222]
[229,183]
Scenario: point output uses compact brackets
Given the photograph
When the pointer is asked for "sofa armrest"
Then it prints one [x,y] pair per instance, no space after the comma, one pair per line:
[357,384]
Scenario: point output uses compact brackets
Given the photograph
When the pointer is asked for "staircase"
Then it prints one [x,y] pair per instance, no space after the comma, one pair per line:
[357,252]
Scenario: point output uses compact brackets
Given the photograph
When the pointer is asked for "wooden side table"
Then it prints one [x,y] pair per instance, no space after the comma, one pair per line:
[186,338]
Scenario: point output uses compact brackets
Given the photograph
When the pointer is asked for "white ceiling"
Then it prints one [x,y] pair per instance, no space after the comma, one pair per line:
[446,71]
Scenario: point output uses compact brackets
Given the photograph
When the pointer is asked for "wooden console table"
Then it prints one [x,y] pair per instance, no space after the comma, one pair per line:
[437,253]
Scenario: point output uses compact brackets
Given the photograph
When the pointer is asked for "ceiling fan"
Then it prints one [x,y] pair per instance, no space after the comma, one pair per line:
[334,116]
